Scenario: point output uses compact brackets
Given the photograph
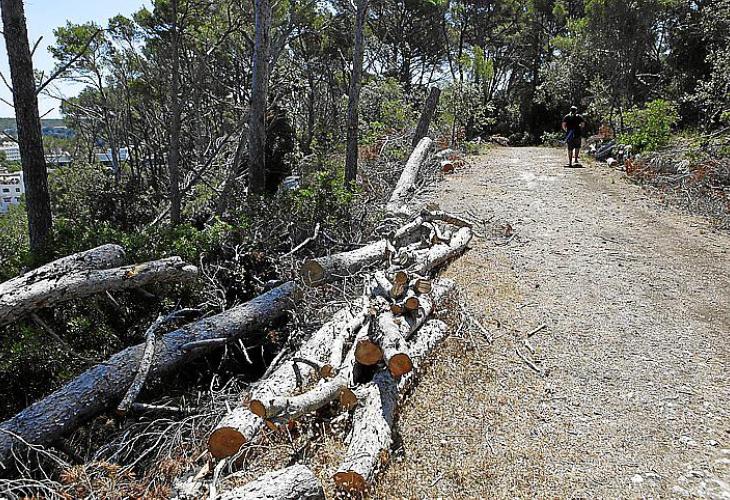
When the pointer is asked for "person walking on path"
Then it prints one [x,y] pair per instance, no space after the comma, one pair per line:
[573,124]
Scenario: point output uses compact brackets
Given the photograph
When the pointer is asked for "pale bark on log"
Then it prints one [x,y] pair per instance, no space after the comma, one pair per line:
[244,423]
[332,267]
[287,408]
[437,255]
[79,284]
[102,257]
[406,184]
[102,386]
[393,331]
[371,437]
[292,483]
[321,270]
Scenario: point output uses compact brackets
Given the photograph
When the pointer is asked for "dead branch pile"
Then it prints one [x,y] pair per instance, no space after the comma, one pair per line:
[697,179]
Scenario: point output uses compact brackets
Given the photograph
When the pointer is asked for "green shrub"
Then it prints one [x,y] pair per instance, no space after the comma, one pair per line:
[552,138]
[650,127]
[14,242]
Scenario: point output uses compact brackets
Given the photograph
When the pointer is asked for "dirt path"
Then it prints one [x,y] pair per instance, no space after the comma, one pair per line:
[635,401]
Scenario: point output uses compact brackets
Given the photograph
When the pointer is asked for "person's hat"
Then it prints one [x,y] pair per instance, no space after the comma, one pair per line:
[574,108]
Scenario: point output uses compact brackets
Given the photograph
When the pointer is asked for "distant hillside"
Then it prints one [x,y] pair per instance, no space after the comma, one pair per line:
[9,122]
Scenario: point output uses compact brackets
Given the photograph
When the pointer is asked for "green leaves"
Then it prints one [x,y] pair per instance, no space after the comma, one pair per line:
[650,127]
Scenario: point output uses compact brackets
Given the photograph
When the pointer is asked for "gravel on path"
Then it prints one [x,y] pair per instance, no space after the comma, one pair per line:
[632,398]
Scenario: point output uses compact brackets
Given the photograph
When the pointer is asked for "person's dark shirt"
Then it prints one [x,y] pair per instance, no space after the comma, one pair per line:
[572,122]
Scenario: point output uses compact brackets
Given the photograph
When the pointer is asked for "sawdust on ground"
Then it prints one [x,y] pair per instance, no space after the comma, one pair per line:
[633,398]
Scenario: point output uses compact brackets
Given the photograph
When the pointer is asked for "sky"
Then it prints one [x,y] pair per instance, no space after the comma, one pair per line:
[42,17]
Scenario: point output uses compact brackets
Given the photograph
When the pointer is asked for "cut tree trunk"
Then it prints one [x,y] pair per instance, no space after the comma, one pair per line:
[393,331]
[102,386]
[321,270]
[371,436]
[293,483]
[286,408]
[102,257]
[75,285]
[429,108]
[242,424]
[369,447]
[442,253]
[407,182]
[332,267]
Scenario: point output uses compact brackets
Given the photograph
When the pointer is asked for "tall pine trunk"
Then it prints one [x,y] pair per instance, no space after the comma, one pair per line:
[354,97]
[259,89]
[173,157]
[30,140]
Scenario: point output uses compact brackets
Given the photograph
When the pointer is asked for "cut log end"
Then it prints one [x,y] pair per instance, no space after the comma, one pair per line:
[397,309]
[401,278]
[327,371]
[348,399]
[312,272]
[368,352]
[412,304]
[350,481]
[423,286]
[400,364]
[257,408]
[225,441]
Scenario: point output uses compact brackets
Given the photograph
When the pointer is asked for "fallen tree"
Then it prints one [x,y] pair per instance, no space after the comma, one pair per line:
[390,336]
[243,423]
[102,386]
[331,267]
[407,181]
[285,408]
[293,483]
[57,288]
[102,257]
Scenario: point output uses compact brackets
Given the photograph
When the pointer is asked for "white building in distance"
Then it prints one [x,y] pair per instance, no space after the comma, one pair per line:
[11,150]
[11,189]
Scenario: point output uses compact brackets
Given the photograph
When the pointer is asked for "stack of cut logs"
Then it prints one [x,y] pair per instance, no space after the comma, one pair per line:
[363,359]
[390,328]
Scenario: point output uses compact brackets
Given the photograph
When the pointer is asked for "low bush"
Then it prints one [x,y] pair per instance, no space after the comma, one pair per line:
[650,127]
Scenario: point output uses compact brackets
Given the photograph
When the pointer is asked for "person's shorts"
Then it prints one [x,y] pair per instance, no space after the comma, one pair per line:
[574,143]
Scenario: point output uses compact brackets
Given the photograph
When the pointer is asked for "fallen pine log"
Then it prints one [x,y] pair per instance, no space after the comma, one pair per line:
[78,284]
[102,386]
[393,331]
[429,259]
[322,270]
[243,423]
[292,483]
[287,408]
[407,181]
[102,257]
[371,436]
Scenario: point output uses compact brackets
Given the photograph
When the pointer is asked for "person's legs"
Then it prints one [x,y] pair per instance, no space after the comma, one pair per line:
[576,147]
[570,155]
